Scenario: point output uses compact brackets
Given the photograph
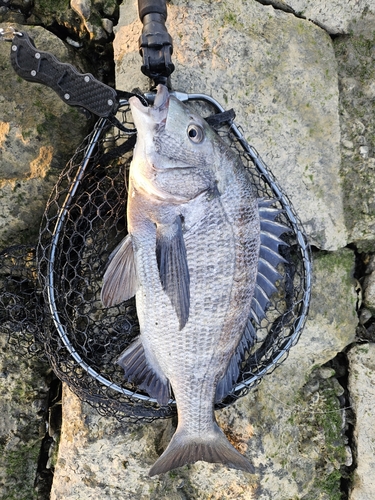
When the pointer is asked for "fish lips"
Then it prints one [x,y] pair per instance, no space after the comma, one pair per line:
[154,116]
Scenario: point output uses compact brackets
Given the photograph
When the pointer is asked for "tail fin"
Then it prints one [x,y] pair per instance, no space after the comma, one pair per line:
[214,448]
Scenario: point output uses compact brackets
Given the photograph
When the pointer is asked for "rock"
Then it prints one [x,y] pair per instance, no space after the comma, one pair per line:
[326,373]
[355,57]
[370,293]
[279,73]
[38,134]
[336,17]
[369,290]
[107,25]
[364,315]
[82,7]
[362,396]
[23,405]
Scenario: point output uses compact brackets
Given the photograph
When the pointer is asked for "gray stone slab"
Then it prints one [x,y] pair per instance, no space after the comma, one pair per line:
[335,16]
[362,396]
[279,73]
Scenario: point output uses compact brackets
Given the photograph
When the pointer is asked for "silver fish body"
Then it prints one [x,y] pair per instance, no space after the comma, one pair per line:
[191,259]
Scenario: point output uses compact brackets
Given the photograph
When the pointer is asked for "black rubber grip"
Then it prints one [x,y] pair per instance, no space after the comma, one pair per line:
[152,7]
[75,89]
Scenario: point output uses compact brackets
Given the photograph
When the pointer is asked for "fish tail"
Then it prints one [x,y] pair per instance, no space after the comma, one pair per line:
[214,448]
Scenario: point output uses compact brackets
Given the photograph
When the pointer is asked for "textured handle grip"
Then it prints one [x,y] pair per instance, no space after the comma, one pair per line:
[151,7]
[76,89]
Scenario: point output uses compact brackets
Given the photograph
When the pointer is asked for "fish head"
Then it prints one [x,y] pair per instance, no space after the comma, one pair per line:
[177,153]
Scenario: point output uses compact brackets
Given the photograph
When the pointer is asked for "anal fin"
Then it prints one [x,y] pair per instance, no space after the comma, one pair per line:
[140,371]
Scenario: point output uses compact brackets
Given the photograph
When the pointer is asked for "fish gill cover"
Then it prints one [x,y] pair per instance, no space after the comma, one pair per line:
[50,295]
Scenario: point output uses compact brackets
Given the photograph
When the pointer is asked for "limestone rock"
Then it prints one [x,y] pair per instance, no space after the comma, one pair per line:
[331,321]
[335,16]
[369,287]
[38,134]
[362,395]
[23,404]
[282,75]
[279,73]
[356,66]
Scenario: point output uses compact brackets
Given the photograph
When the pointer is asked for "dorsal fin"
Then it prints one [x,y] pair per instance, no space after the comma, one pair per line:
[265,287]
[269,258]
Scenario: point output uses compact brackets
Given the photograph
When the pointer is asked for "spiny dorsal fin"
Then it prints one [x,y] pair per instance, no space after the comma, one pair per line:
[267,276]
[120,280]
[173,268]
[140,371]
[269,258]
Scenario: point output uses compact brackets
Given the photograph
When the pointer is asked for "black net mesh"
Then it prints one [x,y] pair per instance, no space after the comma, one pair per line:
[84,221]
[20,299]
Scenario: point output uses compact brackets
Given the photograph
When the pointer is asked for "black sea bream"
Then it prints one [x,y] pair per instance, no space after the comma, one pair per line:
[191,259]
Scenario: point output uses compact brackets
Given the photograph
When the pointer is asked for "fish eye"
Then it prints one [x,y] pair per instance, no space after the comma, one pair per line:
[195,133]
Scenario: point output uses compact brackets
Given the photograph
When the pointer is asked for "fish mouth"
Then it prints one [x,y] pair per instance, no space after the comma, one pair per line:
[156,114]
[161,101]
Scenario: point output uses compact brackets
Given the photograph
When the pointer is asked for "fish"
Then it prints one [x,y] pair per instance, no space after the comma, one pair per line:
[200,257]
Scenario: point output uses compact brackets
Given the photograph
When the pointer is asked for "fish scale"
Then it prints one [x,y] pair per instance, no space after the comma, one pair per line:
[194,358]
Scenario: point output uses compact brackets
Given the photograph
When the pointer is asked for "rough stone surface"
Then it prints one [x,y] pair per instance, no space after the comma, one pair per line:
[369,287]
[292,433]
[279,73]
[356,66]
[23,405]
[362,396]
[335,16]
[38,134]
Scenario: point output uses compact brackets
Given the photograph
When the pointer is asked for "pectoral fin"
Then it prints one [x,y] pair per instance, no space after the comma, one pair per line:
[120,280]
[173,268]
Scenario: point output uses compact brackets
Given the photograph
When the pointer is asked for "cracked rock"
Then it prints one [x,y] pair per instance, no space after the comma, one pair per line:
[362,396]
[335,16]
